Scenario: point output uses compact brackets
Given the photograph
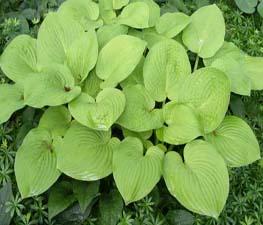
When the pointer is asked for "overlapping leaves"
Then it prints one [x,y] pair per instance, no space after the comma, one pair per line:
[115,66]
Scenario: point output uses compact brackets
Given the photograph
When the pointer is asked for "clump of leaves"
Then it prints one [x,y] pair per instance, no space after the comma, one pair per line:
[118,66]
[250,6]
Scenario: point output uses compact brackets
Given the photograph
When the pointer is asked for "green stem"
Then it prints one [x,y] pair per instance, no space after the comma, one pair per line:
[196,62]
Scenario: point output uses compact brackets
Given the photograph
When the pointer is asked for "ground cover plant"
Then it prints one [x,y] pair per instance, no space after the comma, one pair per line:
[163,136]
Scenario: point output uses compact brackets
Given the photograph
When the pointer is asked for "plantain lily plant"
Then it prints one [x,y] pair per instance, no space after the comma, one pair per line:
[118,65]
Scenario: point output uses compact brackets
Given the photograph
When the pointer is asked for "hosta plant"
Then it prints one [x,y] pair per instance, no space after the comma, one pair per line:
[121,97]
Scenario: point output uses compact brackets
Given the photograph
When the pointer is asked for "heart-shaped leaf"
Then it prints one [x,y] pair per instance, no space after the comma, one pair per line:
[199,36]
[235,141]
[11,100]
[53,86]
[101,113]
[19,58]
[56,35]
[85,12]
[171,24]
[248,6]
[200,182]
[136,15]
[86,154]
[166,62]
[36,163]
[182,124]
[208,91]
[231,60]
[139,114]
[136,174]
[56,119]
[82,55]
[118,58]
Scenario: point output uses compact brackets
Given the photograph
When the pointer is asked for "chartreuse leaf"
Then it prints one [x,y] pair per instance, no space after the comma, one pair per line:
[36,163]
[139,114]
[254,70]
[208,91]
[118,4]
[82,55]
[136,77]
[85,192]
[11,100]
[85,12]
[86,154]
[136,15]
[230,60]
[182,124]
[56,35]
[53,86]
[101,113]
[235,141]
[91,85]
[108,32]
[171,24]
[19,58]
[248,6]
[199,36]
[118,58]
[60,198]
[151,36]
[166,62]
[154,11]
[199,182]
[136,174]
[56,119]
[107,12]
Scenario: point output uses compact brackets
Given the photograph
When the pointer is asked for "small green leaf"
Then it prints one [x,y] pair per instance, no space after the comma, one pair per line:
[60,198]
[82,55]
[182,124]
[235,141]
[110,208]
[108,32]
[151,36]
[199,36]
[139,114]
[19,58]
[180,217]
[136,15]
[85,12]
[136,77]
[171,24]
[55,36]
[99,114]
[56,119]
[260,8]
[11,100]
[165,64]
[254,70]
[86,154]
[200,182]
[91,85]
[107,12]
[53,86]
[230,59]
[208,91]
[118,58]
[36,163]
[247,6]
[85,192]
[136,174]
